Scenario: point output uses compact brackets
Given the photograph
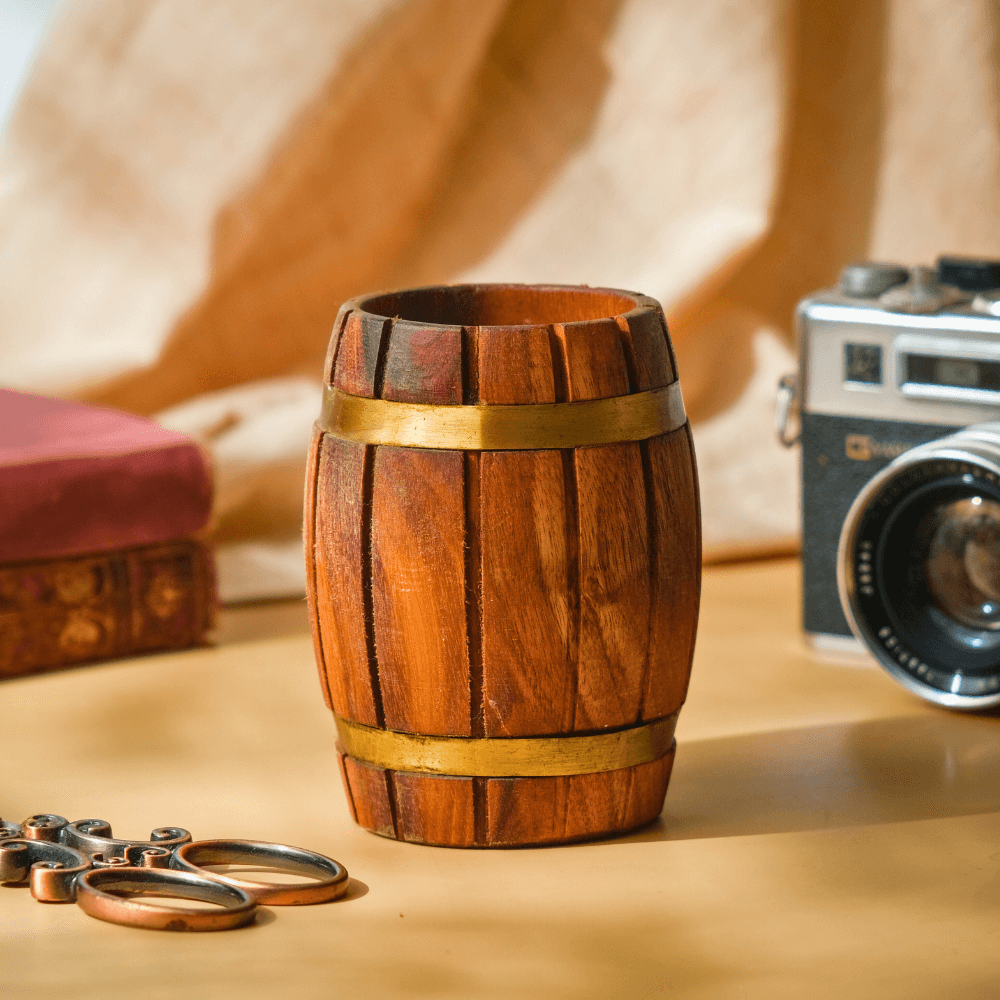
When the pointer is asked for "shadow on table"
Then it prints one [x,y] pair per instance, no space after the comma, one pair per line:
[851,774]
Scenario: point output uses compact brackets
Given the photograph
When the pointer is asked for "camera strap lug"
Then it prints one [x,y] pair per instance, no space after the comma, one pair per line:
[785,409]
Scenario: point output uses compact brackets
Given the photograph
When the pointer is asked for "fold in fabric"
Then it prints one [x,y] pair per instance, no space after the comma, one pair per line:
[188,191]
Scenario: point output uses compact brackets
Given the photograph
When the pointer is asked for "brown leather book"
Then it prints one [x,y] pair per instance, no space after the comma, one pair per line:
[61,612]
[101,514]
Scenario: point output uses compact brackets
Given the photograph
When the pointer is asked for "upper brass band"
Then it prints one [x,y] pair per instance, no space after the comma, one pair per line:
[526,427]
[513,757]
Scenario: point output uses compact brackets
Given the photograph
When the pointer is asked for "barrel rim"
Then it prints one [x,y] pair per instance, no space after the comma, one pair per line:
[639,303]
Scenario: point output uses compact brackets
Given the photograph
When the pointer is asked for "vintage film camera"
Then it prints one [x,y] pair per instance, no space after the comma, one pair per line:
[898,382]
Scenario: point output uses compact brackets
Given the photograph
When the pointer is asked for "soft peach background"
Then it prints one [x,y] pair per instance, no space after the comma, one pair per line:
[189,188]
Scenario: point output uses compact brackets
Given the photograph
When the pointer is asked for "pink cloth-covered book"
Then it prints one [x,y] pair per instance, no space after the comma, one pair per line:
[100,513]
[76,479]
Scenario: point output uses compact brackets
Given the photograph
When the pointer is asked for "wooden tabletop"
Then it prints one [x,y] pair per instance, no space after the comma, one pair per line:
[825,835]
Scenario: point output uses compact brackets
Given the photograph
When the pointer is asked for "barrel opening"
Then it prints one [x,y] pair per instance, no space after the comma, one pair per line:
[499,305]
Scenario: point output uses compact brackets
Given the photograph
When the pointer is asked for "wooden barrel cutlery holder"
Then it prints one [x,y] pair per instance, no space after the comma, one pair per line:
[503,560]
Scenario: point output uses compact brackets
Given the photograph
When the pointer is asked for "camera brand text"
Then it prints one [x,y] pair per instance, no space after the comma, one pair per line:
[863,448]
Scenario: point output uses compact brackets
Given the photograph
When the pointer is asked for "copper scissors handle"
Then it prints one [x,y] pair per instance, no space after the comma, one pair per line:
[83,861]
[94,837]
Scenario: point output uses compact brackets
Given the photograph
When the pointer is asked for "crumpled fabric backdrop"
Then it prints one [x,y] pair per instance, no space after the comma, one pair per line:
[189,189]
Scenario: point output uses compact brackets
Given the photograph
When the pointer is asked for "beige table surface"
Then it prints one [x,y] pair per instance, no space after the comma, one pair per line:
[825,835]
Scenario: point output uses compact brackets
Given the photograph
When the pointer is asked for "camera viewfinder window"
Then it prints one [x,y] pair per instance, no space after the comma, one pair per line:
[863,363]
[962,373]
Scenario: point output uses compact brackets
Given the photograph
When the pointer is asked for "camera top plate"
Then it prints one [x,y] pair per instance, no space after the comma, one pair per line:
[886,316]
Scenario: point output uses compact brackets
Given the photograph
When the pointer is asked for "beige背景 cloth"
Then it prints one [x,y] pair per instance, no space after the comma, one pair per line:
[188,190]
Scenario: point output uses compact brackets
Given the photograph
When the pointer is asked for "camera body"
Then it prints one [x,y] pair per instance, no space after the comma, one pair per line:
[895,362]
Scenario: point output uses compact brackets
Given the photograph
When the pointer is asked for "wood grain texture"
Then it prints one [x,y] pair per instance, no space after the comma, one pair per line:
[340,578]
[555,810]
[608,640]
[423,364]
[418,588]
[676,572]
[528,562]
[647,350]
[505,593]
[330,361]
[614,586]
[613,543]
[342,765]
[435,810]
[309,544]
[418,537]
[360,353]
[529,658]
[514,366]
[372,797]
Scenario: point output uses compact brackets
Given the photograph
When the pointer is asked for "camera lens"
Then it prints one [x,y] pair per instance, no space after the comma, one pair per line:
[919,568]
[963,562]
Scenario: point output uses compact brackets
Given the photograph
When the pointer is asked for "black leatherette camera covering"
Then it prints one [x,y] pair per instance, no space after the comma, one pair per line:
[840,455]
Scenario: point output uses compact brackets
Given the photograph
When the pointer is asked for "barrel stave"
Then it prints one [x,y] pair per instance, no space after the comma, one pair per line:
[555,810]
[330,361]
[511,365]
[676,566]
[647,349]
[423,365]
[371,796]
[309,539]
[528,595]
[342,579]
[418,538]
[528,554]
[613,548]
[361,353]
[435,809]
[614,586]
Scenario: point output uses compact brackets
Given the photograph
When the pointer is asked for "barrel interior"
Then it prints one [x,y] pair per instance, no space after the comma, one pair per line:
[499,305]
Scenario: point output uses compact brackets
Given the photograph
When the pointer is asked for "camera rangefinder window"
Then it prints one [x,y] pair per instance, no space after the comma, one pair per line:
[961,373]
[863,363]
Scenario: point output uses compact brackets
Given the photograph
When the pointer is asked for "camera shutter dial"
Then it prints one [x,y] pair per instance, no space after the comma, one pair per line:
[868,279]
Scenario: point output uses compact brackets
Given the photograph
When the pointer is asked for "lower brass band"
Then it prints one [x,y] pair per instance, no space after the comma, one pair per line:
[530,756]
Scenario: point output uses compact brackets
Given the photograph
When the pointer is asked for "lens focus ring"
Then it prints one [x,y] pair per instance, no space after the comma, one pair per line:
[919,568]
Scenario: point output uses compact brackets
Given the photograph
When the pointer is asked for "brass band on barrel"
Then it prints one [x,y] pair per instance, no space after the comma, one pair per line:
[524,427]
[507,757]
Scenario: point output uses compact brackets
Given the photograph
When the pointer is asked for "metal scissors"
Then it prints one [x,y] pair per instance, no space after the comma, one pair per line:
[83,861]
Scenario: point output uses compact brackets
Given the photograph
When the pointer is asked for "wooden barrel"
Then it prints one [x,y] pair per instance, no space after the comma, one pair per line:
[503,558]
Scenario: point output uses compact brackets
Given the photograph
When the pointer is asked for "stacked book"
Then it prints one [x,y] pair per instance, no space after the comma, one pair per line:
[101,514]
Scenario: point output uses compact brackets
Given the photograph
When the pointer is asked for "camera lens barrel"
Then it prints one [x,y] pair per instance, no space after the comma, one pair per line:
[918,568]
